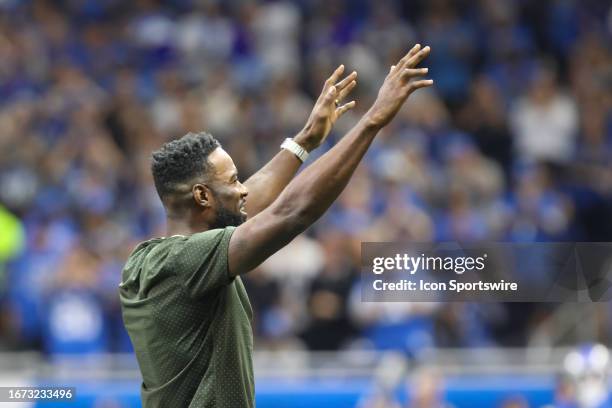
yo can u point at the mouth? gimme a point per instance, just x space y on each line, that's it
243 207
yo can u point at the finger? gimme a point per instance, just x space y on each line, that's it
330 95
418 57
409 55
342 94
345 108
414 72
420 84
334 77
342 84
392 68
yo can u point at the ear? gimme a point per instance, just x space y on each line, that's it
201 195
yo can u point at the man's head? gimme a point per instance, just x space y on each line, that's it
196 179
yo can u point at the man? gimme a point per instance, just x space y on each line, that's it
183 302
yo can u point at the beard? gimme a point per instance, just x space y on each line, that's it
227 218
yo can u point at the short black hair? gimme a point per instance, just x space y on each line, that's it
181 160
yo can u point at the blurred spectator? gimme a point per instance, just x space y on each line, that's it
75 319
426 390
586 367
328 324
545 120
405 327
484 117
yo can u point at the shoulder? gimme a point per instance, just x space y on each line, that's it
203 241
177 251
192 251
142 257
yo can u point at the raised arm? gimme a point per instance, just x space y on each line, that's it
265 185
311 193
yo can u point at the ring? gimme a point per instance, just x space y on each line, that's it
337 103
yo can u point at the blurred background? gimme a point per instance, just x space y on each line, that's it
514 144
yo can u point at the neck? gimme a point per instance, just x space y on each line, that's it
185 226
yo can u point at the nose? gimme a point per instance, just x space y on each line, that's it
244 191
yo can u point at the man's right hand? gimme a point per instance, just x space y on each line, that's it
398 85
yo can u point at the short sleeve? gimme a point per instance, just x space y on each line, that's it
202 261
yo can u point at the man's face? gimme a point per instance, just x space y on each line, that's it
228 194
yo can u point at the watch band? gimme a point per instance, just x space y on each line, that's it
290 145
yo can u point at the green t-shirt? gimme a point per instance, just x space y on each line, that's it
190 322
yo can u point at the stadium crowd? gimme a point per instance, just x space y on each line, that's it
514 144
